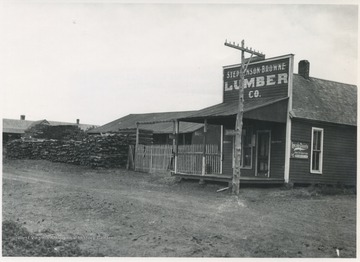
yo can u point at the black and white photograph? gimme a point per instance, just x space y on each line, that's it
185 129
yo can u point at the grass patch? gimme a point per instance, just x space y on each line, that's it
18 241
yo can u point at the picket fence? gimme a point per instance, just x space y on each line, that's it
160 158
153 158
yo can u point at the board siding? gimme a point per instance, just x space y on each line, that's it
339 154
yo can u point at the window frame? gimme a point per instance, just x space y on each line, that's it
321 155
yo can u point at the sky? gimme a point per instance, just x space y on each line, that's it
97 62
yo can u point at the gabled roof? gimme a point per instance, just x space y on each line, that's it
130 121
18 126
324 100
15 126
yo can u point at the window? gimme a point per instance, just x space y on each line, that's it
316 160
246 149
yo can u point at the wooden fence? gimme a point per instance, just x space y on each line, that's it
153 158
159 158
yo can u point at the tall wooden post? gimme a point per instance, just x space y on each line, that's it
238 128
239 116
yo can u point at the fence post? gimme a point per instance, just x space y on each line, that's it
136 144
151 159
130 160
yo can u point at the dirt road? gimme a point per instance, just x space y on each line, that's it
121 213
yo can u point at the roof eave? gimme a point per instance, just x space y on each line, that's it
293 116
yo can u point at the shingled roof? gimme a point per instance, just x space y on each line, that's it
324 100
313 99
130 121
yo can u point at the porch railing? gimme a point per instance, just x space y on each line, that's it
190 159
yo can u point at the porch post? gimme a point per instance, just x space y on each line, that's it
174 144
204 149
221 148
177 128
288 124
137 135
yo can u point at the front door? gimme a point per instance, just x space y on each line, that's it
263 153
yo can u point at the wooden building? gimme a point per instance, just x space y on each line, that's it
296 128
162 126
18 128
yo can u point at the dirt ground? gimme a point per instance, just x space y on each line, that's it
123 213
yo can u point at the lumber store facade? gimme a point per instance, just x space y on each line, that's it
296 128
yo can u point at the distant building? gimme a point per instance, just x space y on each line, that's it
16 128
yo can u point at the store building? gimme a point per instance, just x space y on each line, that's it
296 128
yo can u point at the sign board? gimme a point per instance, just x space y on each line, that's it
263 79
230 132
198 133
299 150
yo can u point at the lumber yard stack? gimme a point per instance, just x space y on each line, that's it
106 150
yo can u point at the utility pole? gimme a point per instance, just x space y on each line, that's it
239 116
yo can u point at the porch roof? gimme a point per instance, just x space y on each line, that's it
161 127
228 110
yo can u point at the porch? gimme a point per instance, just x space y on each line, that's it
212 156
228 178
263 146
